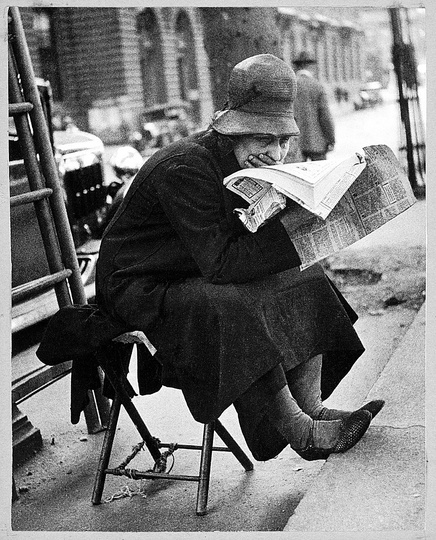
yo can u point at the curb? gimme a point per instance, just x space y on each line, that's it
379 485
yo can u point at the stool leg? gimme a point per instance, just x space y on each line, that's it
106 450
205 462
233 446
131 410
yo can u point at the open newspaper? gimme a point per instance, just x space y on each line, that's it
315 185
379 193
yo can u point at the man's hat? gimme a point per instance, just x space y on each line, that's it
261 95
303 59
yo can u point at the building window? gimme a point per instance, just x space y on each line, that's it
304 40
186 64
328 71
287 48
182 67
151 59
320 59
336 58
43 28
356 61
345 49
352 60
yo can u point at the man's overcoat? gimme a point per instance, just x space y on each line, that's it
312 114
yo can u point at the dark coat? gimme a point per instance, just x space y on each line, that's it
177 221
312 115
222 306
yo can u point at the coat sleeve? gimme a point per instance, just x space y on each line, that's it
191 194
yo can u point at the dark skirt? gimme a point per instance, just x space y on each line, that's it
215 341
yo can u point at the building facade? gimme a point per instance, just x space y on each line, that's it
335 39
109 65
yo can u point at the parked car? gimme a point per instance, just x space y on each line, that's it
79 157
161 125
369 95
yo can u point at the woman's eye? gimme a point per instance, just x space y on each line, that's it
264 141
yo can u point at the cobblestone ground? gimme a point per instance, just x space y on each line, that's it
382 279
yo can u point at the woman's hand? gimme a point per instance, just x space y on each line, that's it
260 160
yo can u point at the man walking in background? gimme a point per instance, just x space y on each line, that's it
312 113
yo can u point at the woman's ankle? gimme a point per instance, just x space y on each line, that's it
326 414
298 433
322 434
325 433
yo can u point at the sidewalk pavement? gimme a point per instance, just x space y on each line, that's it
376 486
382 485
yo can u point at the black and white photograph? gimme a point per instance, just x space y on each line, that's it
215 285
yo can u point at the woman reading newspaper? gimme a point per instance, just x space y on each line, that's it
233 319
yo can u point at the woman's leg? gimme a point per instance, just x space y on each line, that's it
271 418
315 439
297 427
305 384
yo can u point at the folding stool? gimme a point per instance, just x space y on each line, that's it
118 379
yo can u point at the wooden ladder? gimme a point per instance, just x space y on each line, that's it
45 193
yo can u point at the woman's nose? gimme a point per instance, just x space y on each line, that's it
275 151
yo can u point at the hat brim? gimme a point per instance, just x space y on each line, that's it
236 122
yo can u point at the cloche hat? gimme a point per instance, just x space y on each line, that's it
261 95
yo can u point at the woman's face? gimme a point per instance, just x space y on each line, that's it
260 149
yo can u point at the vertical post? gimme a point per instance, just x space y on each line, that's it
398 61
403 58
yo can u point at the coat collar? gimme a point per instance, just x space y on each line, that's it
224 154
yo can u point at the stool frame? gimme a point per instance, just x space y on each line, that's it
122 398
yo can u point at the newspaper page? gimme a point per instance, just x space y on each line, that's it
317 186
381 192
330 178
265 201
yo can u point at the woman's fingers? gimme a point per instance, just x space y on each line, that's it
259 161
267 160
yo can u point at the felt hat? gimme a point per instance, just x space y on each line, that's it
303 59
261 93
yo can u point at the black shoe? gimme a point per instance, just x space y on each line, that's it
352 430
374 407
310 453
